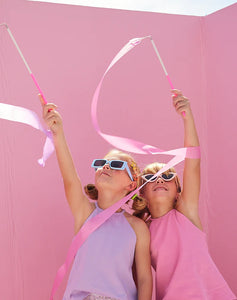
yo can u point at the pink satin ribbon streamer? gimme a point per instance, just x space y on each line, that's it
129 144
26 116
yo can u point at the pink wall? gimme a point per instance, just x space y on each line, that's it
220 42
68 48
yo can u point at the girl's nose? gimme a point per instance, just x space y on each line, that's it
106 166
160 179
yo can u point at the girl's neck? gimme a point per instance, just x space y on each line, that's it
108 198
159 210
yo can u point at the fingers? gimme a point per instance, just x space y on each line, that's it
50 115
53 121
180 102
47 107
176 92
181 108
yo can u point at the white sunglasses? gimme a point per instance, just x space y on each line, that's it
165 176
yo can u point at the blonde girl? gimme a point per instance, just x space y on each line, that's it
102 268
179 253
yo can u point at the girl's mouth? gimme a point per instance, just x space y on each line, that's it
160 188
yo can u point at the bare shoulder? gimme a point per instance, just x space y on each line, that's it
138 225
134 220
79 220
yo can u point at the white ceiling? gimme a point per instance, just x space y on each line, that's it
179 7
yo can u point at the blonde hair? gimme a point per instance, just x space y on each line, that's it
139 203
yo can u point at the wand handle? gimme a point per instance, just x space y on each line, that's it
163 67
24 60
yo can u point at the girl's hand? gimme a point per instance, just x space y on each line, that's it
181 103
51 117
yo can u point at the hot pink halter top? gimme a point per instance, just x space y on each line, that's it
103 264
180 257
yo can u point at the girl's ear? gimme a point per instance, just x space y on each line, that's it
141 192
178 196
132 186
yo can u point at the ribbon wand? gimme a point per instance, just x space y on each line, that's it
22 115
24 60
161 62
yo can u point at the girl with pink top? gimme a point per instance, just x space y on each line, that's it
183 267
102 267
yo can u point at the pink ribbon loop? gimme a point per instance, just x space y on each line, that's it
127 144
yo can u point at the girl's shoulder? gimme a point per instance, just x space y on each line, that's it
138 225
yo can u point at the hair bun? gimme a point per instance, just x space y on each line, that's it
91 191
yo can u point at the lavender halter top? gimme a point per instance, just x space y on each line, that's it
103 264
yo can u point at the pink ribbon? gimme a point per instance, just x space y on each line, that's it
129 144
26 116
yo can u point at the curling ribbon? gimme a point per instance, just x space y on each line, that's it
126 145
129 144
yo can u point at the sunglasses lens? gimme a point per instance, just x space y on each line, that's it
149 176
168 176
116 164
99 163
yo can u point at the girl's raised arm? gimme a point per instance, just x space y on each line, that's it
189 198
80 206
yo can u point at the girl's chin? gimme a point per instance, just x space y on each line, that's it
158 198
103 178
102 183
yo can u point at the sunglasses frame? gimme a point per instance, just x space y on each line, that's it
109 162
156 177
